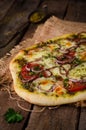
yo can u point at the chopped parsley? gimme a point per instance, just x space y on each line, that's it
28 86
11 116
48 56
21 61
66 82
77 61
37 68
31 73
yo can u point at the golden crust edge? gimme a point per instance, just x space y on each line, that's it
29 96
47 100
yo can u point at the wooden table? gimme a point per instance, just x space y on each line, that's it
13 26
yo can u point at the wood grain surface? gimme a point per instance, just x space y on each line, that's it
68 17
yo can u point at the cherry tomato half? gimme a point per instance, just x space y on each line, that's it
30 71
77 87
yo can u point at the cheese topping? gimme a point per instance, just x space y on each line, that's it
81 52
59 60
78 72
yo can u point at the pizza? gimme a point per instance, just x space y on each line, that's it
53 72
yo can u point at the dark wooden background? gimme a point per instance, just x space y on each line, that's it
13 26
14 17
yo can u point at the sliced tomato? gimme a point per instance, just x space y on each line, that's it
71 53
46 73
26 75
77 87
30 71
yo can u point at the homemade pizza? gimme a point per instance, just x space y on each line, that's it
53 72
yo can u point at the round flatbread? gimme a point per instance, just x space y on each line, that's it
52 72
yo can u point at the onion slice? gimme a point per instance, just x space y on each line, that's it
49 90
77 80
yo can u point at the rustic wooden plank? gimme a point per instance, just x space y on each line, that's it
76 11
15 19
49 119
55 7
12 43
62 118
18 15
51 7
66 117
5 5
82 121
5 103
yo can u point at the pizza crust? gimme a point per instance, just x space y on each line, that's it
45 100
41 98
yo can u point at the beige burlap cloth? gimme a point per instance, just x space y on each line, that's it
53 27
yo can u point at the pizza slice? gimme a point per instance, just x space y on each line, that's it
53 72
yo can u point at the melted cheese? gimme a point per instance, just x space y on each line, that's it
59 90
33 55
53 47
65 44
49 62
78 72
81 52
56 72
44 84
68 44
83 56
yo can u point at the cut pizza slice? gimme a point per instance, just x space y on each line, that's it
52 73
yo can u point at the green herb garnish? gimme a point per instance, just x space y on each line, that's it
21 61
66 84
77 61
11 116
31 73
37 68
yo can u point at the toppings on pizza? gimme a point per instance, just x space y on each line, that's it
78 73
46 73
63 58
45 84
66 58
74 87
51 70
81 52
31 71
